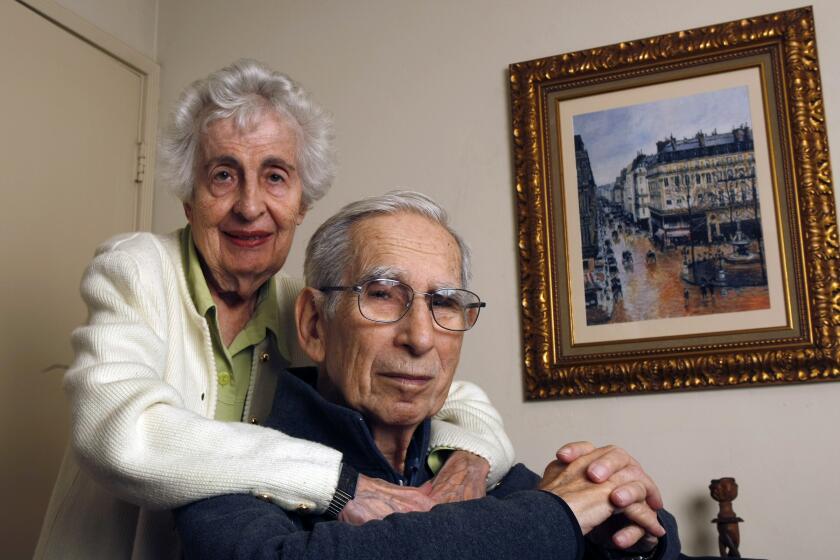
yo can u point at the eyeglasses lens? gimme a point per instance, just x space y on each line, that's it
384 300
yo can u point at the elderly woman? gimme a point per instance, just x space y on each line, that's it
166 388
383 317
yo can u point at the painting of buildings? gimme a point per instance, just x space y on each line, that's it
674 228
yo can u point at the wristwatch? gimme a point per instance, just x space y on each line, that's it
624 555
345 490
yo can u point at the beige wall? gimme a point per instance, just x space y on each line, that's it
58 82
134 22
420 96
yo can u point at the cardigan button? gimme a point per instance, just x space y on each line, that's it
264 357
264 497
253 420
302 508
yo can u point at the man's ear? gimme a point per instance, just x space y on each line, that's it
309 321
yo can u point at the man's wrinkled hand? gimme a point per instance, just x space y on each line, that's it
463 477
609 463
593 502
618 532
633 493
588 501
377 499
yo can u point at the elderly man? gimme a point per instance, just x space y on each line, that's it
383 317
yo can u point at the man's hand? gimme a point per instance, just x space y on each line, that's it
608 464
591 502
634 494
619 532
463 477
376 499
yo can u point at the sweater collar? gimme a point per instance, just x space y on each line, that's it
300 411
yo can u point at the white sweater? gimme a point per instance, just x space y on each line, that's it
143 395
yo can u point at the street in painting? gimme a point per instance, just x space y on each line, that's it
670 220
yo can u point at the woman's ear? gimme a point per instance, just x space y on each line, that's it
309 321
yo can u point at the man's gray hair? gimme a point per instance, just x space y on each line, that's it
244 90
330 249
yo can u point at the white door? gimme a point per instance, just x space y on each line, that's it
71 115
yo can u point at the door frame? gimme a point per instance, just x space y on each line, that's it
149 73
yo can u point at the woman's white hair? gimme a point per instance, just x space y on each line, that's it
244 91
330 249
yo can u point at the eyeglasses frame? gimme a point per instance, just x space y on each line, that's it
358 289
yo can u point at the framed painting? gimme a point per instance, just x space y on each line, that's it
676 218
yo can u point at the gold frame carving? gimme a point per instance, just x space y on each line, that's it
808 350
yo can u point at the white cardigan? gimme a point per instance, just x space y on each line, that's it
143 395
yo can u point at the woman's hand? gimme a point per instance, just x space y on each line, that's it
377 499
463 477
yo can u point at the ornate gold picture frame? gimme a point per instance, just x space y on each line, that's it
676 217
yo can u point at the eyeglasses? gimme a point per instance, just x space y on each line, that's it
387 301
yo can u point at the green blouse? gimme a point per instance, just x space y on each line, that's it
233 363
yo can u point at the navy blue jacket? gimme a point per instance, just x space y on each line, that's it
514 521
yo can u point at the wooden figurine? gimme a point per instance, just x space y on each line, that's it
724 490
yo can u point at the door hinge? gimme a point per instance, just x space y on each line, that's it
140 173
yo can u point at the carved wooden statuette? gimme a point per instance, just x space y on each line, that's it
724 490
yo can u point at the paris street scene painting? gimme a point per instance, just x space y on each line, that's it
670 221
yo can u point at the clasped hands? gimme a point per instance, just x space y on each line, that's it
611 496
